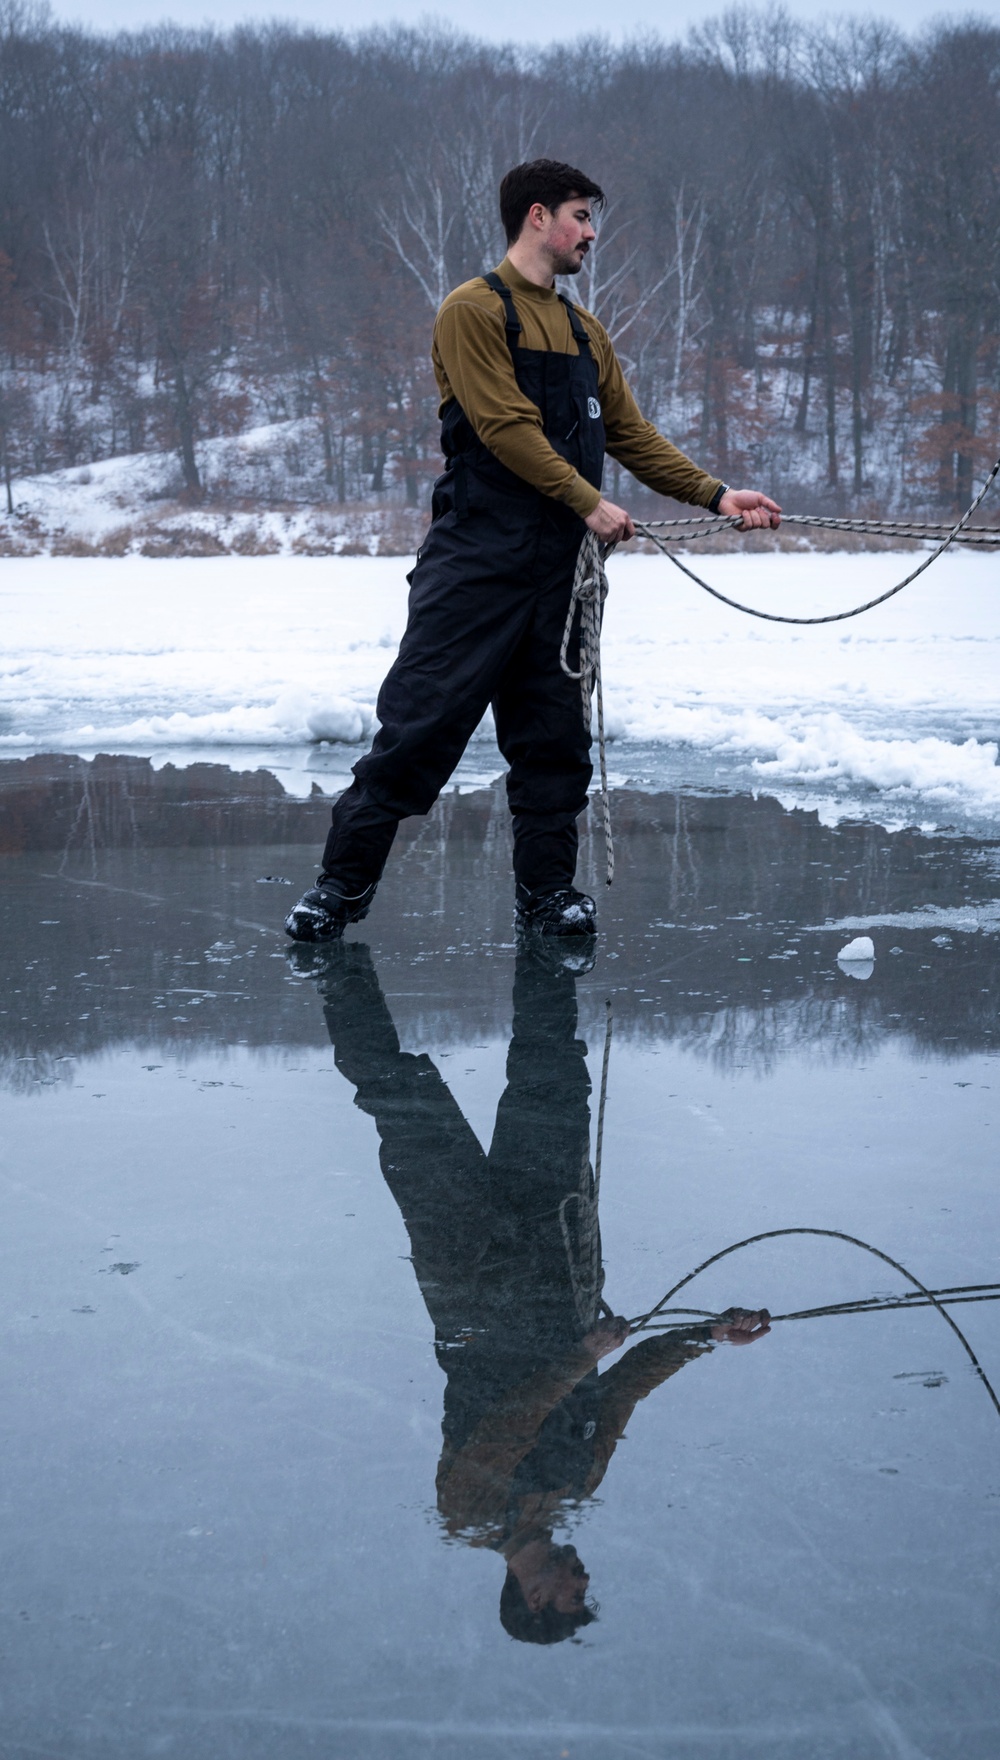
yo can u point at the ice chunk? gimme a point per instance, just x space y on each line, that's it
337 718
857 959
861 948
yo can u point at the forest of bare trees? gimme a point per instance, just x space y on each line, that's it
203 233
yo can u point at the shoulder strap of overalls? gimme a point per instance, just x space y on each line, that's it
580 336
512 323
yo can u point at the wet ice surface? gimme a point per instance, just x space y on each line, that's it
223 1403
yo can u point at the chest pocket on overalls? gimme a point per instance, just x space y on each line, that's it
562 411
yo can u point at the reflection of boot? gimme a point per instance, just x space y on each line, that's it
574 954
309 959
364 1039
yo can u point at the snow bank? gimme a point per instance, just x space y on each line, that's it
293 720
893 715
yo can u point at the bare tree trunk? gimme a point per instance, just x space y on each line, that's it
967 413
830 363
802 413
185 428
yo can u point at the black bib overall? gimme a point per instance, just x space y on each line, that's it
488 602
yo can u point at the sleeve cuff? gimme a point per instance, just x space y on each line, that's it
582 497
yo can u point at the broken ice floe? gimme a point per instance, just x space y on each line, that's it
862 947
857 959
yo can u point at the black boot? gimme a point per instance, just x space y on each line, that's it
323 913
563 911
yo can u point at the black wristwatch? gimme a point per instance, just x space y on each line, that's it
723 489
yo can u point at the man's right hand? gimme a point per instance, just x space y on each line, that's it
610 523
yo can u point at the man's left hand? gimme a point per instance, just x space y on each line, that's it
756 509
608 1335
742 1325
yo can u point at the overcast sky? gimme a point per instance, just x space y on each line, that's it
523 21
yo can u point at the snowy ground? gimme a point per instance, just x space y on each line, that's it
260 659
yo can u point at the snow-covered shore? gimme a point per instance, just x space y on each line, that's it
893 714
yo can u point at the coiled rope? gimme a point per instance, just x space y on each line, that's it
933 1298
590 589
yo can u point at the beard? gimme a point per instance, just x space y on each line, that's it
569 264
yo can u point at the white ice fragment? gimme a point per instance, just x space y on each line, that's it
861 948
337 719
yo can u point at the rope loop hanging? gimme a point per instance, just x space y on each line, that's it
650 529
590 589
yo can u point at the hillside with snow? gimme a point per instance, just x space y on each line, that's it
262 497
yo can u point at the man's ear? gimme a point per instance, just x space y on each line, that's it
535 1598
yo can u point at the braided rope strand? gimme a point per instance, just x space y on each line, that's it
686 531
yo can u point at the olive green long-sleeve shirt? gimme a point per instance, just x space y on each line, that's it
474 1482
472 363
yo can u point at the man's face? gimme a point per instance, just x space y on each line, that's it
562 1582
569 234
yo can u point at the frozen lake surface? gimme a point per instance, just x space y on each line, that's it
272 1221
892 716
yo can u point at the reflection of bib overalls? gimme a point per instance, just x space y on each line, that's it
505 1244
488 603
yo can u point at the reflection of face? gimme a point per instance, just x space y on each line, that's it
569 235
561 1583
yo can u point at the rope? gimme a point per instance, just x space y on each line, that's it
649 530
709 525
590 589
931 1297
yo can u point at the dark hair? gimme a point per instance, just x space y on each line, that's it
548 181
547 1626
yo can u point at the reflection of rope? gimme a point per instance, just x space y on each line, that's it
587 1278
609 1023
931 1297
959 1292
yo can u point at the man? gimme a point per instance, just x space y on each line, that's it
532 395
506 1248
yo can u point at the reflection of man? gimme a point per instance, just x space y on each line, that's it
506 1249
